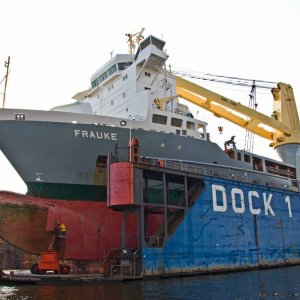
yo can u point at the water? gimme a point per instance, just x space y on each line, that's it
281 283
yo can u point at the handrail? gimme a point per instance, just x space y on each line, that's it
121 262
229 174
121 268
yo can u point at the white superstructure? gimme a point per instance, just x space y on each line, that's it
138 87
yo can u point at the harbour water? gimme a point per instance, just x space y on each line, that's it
279 283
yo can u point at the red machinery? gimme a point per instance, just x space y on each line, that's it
49 262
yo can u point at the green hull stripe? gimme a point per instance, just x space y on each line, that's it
95 193
67 191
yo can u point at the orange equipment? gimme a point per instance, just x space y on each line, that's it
49 262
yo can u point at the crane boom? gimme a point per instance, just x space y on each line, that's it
284 123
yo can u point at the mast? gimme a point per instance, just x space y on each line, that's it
138 37
6 65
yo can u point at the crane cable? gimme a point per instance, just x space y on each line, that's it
227 79
254 84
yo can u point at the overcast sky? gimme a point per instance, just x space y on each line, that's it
55 46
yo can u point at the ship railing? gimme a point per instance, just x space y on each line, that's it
229 174
206 171
121 270
110 258
121 262
185 167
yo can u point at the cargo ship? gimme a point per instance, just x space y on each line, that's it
133 174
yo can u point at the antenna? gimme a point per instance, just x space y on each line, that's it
6 65
138 37
111 53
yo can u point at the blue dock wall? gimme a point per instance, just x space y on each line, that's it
231 226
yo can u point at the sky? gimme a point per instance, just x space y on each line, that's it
55 46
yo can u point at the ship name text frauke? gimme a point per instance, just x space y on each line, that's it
101 135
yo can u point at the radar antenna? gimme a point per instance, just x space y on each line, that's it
138 37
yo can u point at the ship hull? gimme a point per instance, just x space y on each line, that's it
62 155
29 222
58 159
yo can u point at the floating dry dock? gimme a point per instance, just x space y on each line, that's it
209 218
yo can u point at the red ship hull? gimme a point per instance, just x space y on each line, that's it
92 228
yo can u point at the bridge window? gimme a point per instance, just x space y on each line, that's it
124 65
103 77
257 164
280 169
159 119
190 125
112 70
151 40
230 153
247 158
200 128
95 82
176 122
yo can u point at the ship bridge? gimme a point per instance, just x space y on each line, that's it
112 68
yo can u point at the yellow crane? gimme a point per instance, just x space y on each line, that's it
160 103
284 122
